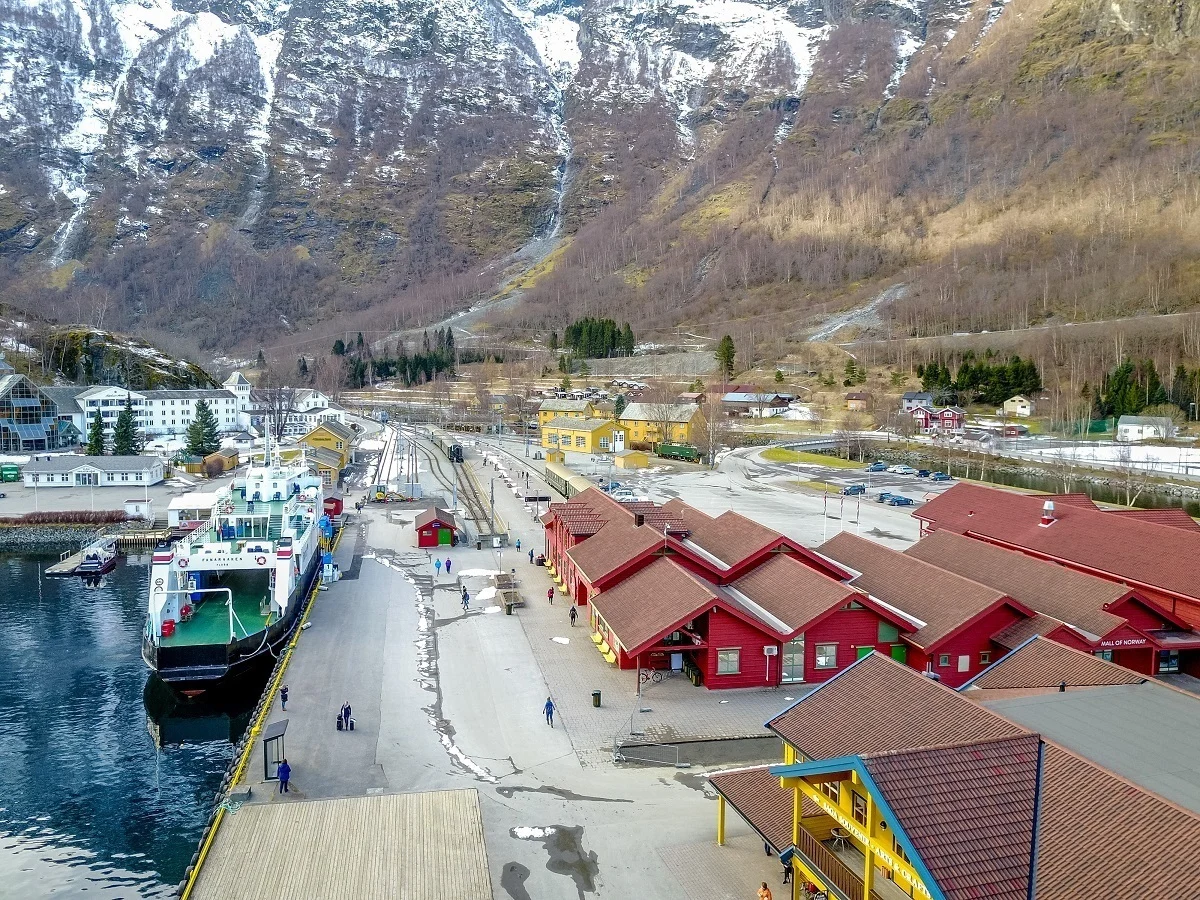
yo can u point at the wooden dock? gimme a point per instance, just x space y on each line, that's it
66 565
402 846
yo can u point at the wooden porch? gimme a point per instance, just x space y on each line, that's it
839 865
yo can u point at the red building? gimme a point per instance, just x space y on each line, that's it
955 621
435 528
1081 611
729 601
1153 552
946 419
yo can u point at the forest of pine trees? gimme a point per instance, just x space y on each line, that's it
597 338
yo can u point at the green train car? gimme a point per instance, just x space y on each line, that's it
10 472
682 452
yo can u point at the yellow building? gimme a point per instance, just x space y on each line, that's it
331 436
632 459
556 409
325 463
583 435
652 423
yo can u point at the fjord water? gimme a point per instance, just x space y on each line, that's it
88 802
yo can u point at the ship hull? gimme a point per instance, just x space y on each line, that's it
193 670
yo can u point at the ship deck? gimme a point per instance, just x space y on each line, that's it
209 623
268 513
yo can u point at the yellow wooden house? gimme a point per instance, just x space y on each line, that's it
555 408
331 436
583 435
652 423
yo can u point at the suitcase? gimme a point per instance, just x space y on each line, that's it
339 723
351 724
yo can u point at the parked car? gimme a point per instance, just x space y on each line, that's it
624 494
884 496
902 470
923 473
877 467
940 476
851 489
898 500
895 470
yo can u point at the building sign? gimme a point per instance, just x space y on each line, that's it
884 856
1125 642
206 562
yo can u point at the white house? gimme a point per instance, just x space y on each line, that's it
159 413
1131 429
92 471
195 506
308 409
1019 406
913 399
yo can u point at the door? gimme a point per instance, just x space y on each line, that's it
793 660
900 653
618 441
860 652
443 536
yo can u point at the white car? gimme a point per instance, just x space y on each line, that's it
623 494
902 470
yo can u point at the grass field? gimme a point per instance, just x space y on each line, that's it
782 455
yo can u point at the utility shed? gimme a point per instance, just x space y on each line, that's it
435 528
422 845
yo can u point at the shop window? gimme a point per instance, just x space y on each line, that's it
1168 661
826 656
943 660
1105 655
887 633
985 657
832 790
729 662
858 805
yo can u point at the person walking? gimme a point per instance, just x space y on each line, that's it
764 892
437 564
531 557
447 565
285 775
466 600
283 695
574 614
548 711
787 871
346 715
550 596
518 545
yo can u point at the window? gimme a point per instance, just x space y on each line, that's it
943 660
964 663
603 443
898 850
826 656
1168 661
580 440
1105 655
887 633
729 662
985 657
858 805
793 660
832 790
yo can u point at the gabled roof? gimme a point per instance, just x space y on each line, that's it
1061 593
563 405
1156 421
330 459
730 537
659 412
337 429
1042 663
1039 625
69 462
878 705
756 795
943 601
65 398
572 423
434 514
615 544
969 811
650 602
1123 548
1174 516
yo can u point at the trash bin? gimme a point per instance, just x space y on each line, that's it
596 699
508 609
479 545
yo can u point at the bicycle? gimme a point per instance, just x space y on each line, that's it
654 675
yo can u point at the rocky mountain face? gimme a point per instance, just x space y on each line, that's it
245 167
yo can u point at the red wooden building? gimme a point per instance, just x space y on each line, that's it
946 419
435 528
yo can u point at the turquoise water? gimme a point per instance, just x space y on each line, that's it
88 800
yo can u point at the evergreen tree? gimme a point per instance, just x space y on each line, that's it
359 342
262 360
202 437
126 440
302 367
95 439
339 347
619 406
779 376
554 340
627 341
726 357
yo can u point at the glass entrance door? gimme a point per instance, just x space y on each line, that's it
793 660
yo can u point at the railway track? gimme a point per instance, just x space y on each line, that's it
475 506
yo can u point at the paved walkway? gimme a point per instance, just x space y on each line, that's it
733 872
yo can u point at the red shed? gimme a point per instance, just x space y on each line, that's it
333 506
435 528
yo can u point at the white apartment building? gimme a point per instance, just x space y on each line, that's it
164 413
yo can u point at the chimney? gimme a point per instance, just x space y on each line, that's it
639 519
1047 514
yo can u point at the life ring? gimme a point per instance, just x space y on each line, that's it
183 563
261 560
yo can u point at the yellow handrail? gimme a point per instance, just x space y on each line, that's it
255 730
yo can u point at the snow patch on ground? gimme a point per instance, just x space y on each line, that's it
906 46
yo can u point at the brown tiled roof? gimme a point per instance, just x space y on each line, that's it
756 795
729 537
1043 663
1023 629
434 514
1103 837
969 811
1076 499
942 600
1061 593
877 705
1123 547
612 546
793 592
588 511
650 601
1173 516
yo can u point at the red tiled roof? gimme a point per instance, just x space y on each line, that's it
1074 500
1061 593
756 795
795 593
1023 629
1043 663
942 600
877 705
1126 548
1173 516
611 547
729 537
969 811
650 601
1101 836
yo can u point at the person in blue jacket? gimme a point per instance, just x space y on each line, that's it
548 710
285 775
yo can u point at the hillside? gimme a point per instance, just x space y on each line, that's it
238 174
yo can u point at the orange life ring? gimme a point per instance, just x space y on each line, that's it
261 560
